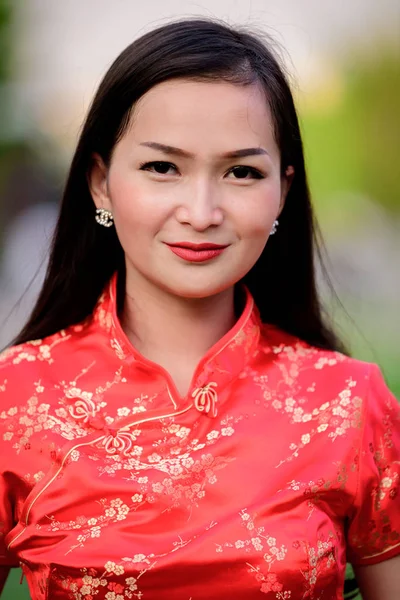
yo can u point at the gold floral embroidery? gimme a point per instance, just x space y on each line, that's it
182 479
91 527
34 350
320 561
314 492
116 346
269 583
258 540
335 416
92 584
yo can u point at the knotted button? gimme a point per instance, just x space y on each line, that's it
205 399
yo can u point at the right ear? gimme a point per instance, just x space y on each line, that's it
98 184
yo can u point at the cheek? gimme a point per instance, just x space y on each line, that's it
134 208
256 217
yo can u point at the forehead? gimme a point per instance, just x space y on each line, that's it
185 112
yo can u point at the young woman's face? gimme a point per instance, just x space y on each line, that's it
197 165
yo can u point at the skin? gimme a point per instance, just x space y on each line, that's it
380 581
174 308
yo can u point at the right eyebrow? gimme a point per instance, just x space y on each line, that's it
168 149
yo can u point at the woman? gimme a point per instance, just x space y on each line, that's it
163 437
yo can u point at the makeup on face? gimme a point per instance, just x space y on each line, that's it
196 252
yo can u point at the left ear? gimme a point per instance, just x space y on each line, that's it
286 182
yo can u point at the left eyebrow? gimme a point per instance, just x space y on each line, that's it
245 152
183 153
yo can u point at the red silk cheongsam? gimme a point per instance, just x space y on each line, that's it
280 464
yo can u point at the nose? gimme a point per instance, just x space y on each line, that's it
200 207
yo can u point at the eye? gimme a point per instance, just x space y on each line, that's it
160 167
243 172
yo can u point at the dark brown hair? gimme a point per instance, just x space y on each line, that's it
85 255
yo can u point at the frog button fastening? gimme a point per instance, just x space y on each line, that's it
205 399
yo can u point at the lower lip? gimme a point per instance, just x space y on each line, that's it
196 255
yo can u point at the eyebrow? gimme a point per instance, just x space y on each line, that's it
184 154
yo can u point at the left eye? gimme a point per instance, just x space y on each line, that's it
243 172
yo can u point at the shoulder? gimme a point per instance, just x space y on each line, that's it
322 363
21 367
320 374
30 365
16 359
338 396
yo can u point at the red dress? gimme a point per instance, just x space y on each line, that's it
281 463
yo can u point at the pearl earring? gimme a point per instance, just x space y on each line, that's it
104 217
274 227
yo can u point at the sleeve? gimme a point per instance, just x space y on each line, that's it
373 534
7 487
6 522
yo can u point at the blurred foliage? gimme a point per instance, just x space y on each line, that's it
5 39
352 141
351 127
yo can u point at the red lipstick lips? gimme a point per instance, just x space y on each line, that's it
196 252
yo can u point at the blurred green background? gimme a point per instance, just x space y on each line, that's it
349 108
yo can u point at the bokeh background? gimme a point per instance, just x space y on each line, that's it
343 58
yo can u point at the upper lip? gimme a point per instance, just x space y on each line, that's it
203 246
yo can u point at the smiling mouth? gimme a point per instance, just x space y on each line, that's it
197 252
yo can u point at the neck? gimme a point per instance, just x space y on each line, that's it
172 331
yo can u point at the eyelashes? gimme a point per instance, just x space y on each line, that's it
240 172
158 166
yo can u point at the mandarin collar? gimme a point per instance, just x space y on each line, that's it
221 364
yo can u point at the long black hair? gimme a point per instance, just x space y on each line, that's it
84 255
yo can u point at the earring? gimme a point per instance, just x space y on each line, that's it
274 227
104 217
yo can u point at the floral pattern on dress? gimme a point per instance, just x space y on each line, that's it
111 584
320 561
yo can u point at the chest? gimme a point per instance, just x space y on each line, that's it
251 496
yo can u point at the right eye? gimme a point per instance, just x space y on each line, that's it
160 167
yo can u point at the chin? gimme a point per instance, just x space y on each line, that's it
198 291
